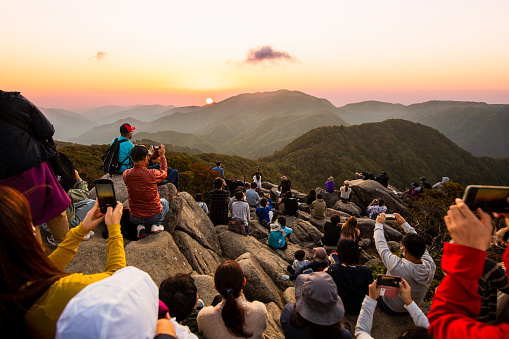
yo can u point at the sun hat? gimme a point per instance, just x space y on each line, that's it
319 254
317 299
331 179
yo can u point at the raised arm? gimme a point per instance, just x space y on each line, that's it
389 259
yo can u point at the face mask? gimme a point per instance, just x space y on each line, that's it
401 250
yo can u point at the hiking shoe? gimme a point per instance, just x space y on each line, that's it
156 228
52 241
87 237
142 233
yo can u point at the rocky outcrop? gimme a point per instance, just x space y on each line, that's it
288 254
195 222
234 245
304 233
202 260
318 223
90 258
118 186
205 286
170 193
273 330
330 198
364 191
348 207
259 286
367 227
289 295
158 255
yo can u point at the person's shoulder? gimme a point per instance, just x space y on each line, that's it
206 312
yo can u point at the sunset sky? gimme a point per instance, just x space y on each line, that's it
77 54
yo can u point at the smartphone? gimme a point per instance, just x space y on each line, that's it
105 194
390 217
390 285
488 198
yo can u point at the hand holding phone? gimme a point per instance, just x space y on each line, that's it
93 218
487 198
389 285
105 194
113 216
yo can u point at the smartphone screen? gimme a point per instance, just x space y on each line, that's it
389 284
488 198
105 194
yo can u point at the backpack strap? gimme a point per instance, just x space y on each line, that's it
128 158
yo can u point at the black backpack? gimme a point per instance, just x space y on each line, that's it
63 169
111 163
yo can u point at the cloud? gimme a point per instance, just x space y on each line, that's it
263 53
99 56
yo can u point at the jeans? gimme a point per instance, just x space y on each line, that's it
173 177
155 220
81 209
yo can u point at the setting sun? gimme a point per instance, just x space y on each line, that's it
209 101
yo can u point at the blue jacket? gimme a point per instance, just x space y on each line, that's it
220 170
124 153
263 212
276 239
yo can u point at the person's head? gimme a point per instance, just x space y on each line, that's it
199 197
349 229
415 184
413 244
384 173
246 186
239 195
229 279
335 219
416 333
126 130
263 202
218 183
348 252
319 196
346 184
312 193
281 221
289 195
381 202
331 179
180 295
22 258
319 254
218 164
139 154
254 185
423 179
300 255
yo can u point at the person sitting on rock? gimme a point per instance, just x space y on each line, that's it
240 210
179 293
285 185
146 208
318 264
329 185
415 191
252 196
376 207
311 197
264 212
219 199
234 316
424 183
219 169
317 311
257 178
417 267
278 234
234 199
291 205
365 320
438 185
332 231
172 174
125 146
201 203
346 192
349 230
299 263
80 204
318 207
281 204
352 279
383 179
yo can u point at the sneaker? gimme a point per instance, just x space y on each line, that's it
142 233
87 237
52 241
200 305
157 229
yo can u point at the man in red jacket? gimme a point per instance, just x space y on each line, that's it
457 303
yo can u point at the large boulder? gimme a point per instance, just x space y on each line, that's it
195 222
344 216
170 193
364 191
234 245
318 223
203 260
259 286
288 254
118 186
348 207
274 329
367 227
304 233
205 286
289 295
330 198
158 255
90 258
258 230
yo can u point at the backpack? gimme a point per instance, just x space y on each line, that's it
237 226
111 163
63 169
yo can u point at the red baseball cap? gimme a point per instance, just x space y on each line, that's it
126 128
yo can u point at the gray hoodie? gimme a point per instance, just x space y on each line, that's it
419 276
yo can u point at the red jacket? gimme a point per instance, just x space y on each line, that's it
457 303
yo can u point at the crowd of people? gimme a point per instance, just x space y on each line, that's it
38 299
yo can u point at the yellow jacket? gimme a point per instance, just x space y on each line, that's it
42 317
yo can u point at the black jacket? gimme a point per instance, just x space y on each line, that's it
20 149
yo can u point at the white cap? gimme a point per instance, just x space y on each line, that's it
124 305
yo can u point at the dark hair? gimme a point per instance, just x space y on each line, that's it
381 202
246 184
218 163
229 279
317 331
218 183
348 252
254 185
239 195
335 219
312 194
179 293
349 229
414 244
299 254
263 202
138 153
281 221
319 196
289 194
416 333
199 197
22 260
